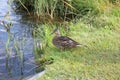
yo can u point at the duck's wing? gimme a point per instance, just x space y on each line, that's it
67 42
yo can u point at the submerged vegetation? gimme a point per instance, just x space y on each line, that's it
91 22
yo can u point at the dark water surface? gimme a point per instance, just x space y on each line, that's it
17 62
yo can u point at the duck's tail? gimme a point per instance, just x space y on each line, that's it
81 45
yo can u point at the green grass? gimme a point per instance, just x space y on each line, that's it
99 61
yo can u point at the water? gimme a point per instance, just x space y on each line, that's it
16 48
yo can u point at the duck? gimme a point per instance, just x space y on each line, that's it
63 42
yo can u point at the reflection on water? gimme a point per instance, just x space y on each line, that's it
16 47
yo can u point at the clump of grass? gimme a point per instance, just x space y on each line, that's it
42 39
63 9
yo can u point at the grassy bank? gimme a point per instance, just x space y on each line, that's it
99 61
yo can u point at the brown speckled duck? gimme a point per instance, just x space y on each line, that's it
63 42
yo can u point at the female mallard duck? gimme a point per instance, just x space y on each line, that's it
63 42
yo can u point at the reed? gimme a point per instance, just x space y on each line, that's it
63 9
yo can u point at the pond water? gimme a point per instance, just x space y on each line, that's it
16 48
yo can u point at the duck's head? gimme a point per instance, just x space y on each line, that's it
56 32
